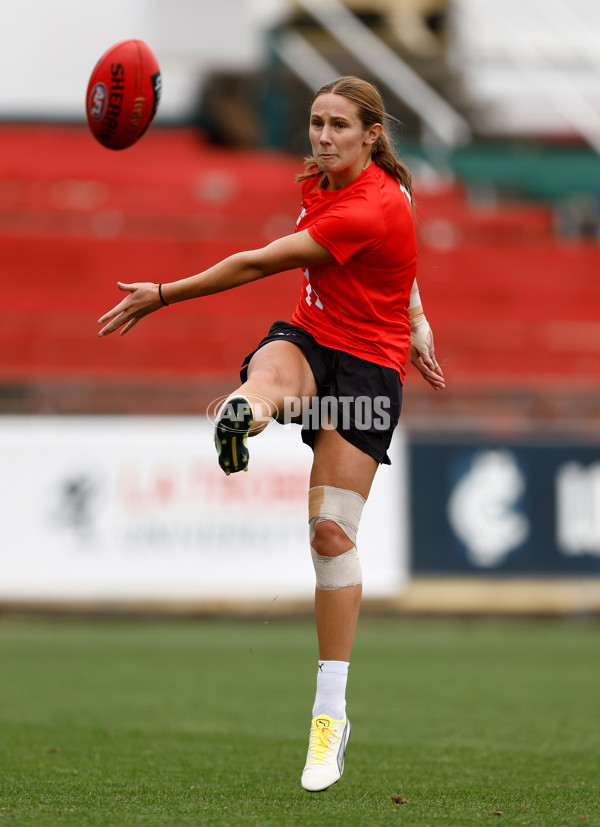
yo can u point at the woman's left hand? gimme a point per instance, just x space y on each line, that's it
141 299
422 355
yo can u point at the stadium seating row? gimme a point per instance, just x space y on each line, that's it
511 304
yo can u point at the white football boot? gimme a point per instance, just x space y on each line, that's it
326 749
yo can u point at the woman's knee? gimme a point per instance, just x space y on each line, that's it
330 540
266 374
281 367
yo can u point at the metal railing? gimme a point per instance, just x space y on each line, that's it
439 118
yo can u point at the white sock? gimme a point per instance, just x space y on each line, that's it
332 676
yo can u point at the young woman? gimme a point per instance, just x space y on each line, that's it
347 343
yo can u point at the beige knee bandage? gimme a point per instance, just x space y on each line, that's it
343 507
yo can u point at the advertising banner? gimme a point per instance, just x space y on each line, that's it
521 507
136 508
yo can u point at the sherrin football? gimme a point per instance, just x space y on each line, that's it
123 94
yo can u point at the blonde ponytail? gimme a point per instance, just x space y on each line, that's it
383 156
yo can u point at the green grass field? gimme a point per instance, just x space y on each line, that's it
206 722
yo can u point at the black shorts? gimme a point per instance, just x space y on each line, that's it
360 399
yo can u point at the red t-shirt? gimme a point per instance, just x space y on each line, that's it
359 303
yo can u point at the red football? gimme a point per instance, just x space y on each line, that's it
123 94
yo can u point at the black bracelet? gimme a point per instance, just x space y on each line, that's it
166 304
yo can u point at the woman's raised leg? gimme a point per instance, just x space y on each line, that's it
278 376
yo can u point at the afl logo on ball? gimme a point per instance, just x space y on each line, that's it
97 101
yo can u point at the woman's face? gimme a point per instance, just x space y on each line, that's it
340 143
